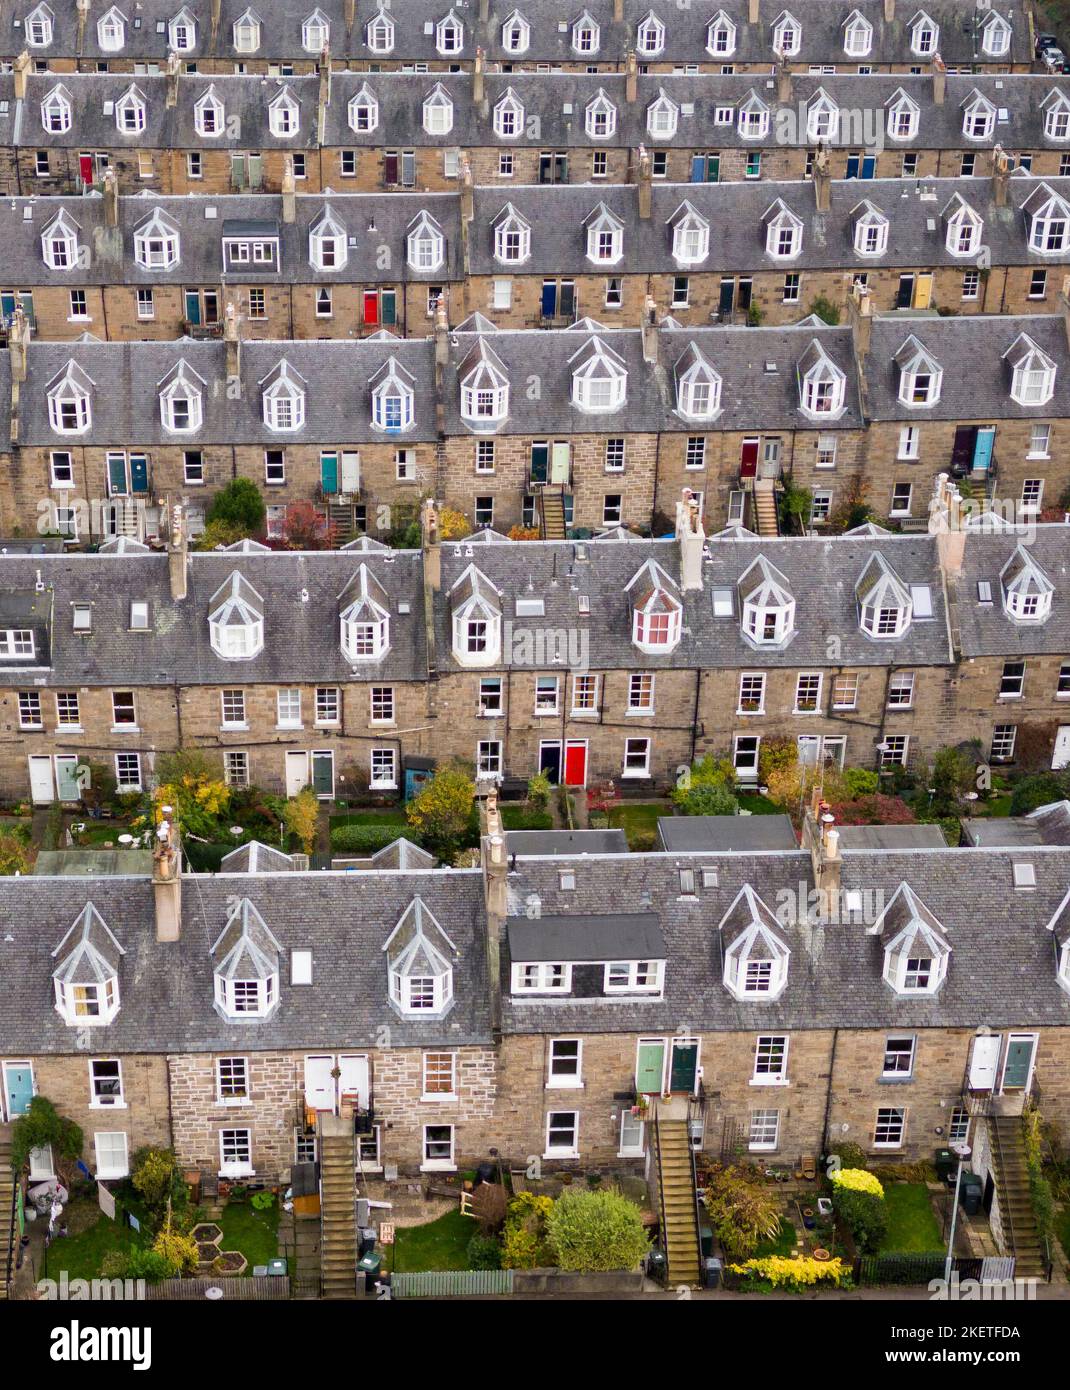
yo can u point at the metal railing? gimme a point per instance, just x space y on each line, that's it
663 1226
9 1272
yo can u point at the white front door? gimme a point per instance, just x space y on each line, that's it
350 471
1061 757
296 773
41 784
354 1080
319 1083
984 1062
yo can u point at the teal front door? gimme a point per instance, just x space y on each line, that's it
683 1071
18 1087
982 448
1019 1062
329 473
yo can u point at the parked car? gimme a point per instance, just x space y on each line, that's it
1046 41
1053 59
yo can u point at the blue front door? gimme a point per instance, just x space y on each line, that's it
982 449
18 1083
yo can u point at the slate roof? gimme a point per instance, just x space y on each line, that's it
565 842
688 834
256 858
593 937
985 629
1047 825
899 837
166 990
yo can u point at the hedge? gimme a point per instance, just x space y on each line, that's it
366 839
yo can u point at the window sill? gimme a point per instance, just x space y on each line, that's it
768 1081
642 714
234 728
125 729
564 1085
438 1166
73 729
382 786
561 1153
237 1172
636 775
584 714
289 728
31 728
893 1080
113 1105
104 1175
546 714
329 723
237 1103
450 1098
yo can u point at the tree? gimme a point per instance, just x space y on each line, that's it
596 1230
239 504
219 533
305 528
43 1126
824 308
707 790
155 1175
953 775
453 525
524 1243
442 810
189 782
14 858
301 817
743 1210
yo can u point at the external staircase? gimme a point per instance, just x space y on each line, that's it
342 519
765 509
1020 1234
338 1210
8 1235
675 1176
552 515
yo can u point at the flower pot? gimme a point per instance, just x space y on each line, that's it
820 1253
808 1218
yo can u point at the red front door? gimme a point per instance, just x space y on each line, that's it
85 168
748 458
371 309
576 765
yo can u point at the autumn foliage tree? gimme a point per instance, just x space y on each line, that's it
442 811
301 816
306 528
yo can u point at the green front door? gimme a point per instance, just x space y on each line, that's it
1016 1067
684 1068
649 1068
323 773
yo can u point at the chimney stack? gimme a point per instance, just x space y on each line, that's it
618 11
860 318
939 72
167 882
18 338
783 80
484 11
349 14
468 205
83 14
822 181
232 340
823 842
478 68
430 540
650 330
289 190
496 900
111 198
171 99
946 524
645 176
1064 306
217 12
753 17
177 553
889 11
20 67
1001 176
692 540
631 78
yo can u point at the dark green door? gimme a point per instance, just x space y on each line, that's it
1016 1067
323 773
684 1068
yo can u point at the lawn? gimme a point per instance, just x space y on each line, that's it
392 815
757 805
99 833
254 1233
441 1244
517 816
638 818
81 1255
783 1244
911 1223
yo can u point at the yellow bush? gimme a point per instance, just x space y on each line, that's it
178 1250
453 525
794 1274
858 1180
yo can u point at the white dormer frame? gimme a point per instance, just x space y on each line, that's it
315 32
111 31
182 401
209 114
662 117
484 394
1049 225
978 117
698 390
284 115
924 36
1028 594
857 35
39 27
508 116
156 243
887 609
182 31
599 383
516 34
823 388
787 36
246 32
379 32
721 35
783 232
767 609
586 36
449 35
904 116
924 971
131 112
59 242
242 640
995 35
56 110
393 401
753 120
657 612
477 624
420 973
605 237
363 110
1032 373
1056 107
964 228
822 119
512 237
438 111
921 377
749 976
284 401
364 624
649 36
86 983
425 245
690 236
70 409
600 117
871 231
328 242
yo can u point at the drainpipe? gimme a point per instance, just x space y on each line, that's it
828 1091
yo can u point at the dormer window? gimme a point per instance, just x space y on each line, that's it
315 33
419 958
657 613
698 386
512 237
720 36
508 115
328 247
605 236
69 410
599 378
1032 372
903 115
783 231
1048 218
920 375
182 400
690 235
245 958
857 36
963 237
425 244
766 604
753 118
39 27
111 31
600 118
1056 115
283 395
130 112
59 242
822 119
86 977
924 35
823 386
438 112
449 35
787 36
516 34
380 33
364 618
392 397
1027 590
284 115
650 36
995 36
56 111
484 387
156 245
916 947
585 36
209 114
871 230
236 620
662 117
182 32
363 110
755 952
247 32
476 611
886 606
978 117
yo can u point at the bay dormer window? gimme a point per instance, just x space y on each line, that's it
1027 590
182 400
649 36
885 605
156 242
662 117
283 397
1056 108
586 36
246 32
69 401
1032 372
787 36
605 236
767 606
916 947
512 237
823 386
599 378
903 116
753 118
756 954
245 963
1048 219
921 376
365 618
508 115
978 117
690 235
111 31
363 111
182 32
56 111
438 112
131 112
59 242
393 397
379 33
783 232
86 977
419 961
924 36
657 612
871 230
857 36
425 244
328 244
449 35
236 620
39 27
822 119
484 387
600 117
476 616
315 33
720 36
698 386
516 34
284 115
209 114
995 36
963 228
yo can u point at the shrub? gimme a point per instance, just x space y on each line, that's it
452 524
262 1201
539 791
953 775
874 810
524 1244
301 817
180 1251
791 1274
1031 792
441 812
43 1125
850 1155
490 1202
155 1174
743 1211
484 1252
707 789
824 308
239 504
858 1200
366 839
596 1230
138 1263
14 858
857 1180
189 782
860 781
643 841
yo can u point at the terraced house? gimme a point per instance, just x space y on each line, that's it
224 36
